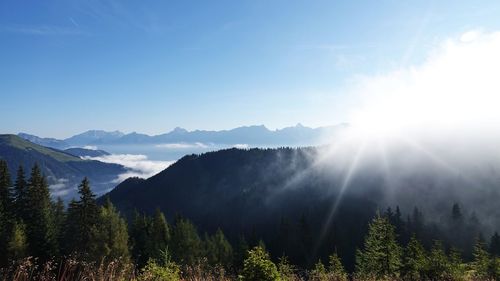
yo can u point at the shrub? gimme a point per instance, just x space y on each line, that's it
259 267
169 271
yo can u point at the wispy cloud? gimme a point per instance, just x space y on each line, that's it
137 165
60 187
72 20
42 30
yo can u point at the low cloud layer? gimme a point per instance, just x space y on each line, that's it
200 145
183 145
90 147
241 145
60 187
137 165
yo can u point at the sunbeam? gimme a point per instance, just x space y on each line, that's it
345 184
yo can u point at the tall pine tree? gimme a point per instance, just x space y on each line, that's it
160 235
5 191
40 228
218 251
6 215
140 233
186 244
113 232
414 260
21 203
438 266
381 256
482 262
82 233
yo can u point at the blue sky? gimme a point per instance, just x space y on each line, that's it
148 66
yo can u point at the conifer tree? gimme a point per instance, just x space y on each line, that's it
336 270
438 265
381 256
88 220
456 213
160 234
5 210
319 272
218 251
59 216
395 218
457 268
389 214
481 263
82 234
71 229
417 223
414 260
399 227
186 244
40 229
140 233
495 268
21 194
113 233
5 191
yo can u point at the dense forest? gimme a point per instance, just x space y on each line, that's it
43 240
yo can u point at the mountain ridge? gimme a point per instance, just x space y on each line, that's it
252 135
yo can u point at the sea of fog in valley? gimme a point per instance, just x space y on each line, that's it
166 152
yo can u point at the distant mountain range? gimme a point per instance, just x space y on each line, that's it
250 135
48 142
64 169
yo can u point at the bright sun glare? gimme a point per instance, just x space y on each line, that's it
456 86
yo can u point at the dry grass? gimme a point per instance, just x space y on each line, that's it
68 270
72 270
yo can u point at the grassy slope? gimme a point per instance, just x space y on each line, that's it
19 143
58 165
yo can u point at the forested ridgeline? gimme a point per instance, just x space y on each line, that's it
44 240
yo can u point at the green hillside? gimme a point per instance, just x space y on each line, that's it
62 169
22 144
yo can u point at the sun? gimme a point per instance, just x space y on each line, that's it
454 88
